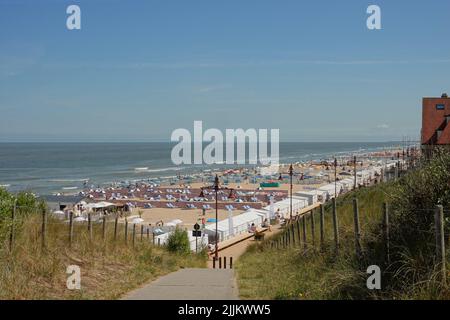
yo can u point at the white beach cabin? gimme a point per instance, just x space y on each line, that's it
311 195
240 224
282 207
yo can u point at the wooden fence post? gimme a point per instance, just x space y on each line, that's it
70 228
322 226
305 244
142 232
335 226
104 227
116 222
386 231
134 234
313 228
12 235
440 241
299 237
44 228
292 234
90 226
148 234
357 227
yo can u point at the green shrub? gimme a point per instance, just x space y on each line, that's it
179 242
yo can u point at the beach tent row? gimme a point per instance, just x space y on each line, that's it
326 192
283 207
236 225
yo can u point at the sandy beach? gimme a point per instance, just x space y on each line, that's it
245 183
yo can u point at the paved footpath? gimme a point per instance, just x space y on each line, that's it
192 284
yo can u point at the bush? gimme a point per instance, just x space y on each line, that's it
179 242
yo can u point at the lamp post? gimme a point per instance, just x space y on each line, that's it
291 173
216 188
354 169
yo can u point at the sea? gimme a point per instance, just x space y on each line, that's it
67 168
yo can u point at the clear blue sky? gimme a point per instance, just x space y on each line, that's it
139 69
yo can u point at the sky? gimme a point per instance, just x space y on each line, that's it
137 70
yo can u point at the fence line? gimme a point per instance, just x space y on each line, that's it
296 233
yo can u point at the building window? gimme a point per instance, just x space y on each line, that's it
440 107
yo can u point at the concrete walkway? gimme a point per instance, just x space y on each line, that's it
192 284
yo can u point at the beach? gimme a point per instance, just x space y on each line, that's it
188 199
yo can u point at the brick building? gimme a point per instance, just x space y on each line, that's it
435 122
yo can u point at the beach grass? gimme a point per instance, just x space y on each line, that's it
265 272
108 268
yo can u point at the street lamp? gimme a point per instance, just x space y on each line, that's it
216 188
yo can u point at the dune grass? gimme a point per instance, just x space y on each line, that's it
265 272
108 268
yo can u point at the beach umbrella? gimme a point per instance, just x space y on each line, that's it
137 220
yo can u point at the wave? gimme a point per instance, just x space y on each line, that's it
70 188
147 170
68 180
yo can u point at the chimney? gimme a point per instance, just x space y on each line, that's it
444 95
